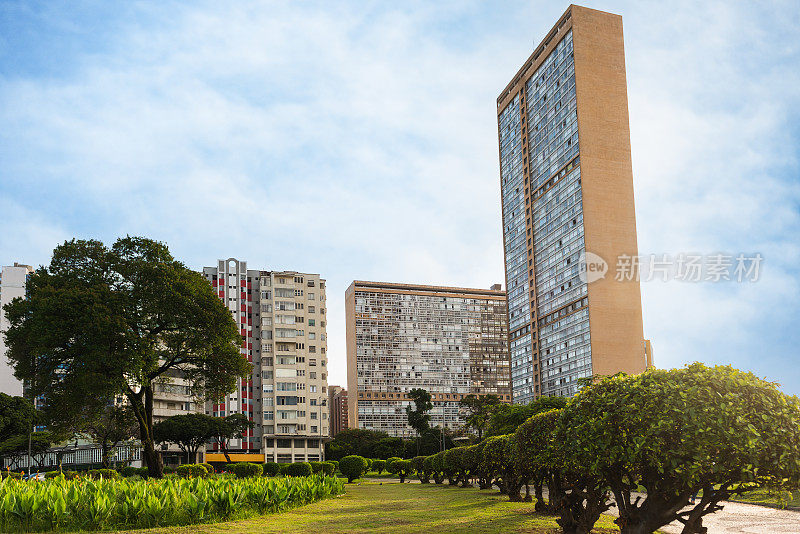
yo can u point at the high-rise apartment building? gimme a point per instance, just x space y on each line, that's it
281 316
337 402
567 193
449 341
12 285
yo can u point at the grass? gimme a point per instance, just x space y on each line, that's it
390 507
771 498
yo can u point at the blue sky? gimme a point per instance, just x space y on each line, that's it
359 140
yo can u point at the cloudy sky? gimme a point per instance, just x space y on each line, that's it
359 140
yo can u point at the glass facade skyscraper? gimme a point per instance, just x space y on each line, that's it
568 103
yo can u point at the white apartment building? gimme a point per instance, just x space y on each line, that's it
282 318
12 285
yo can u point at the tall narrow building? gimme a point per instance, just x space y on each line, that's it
12 285
450 341
282 318
567 194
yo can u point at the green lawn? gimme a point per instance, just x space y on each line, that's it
390 507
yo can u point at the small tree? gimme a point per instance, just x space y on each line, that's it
418 417
478 410
402 468
189 432
423 473
232 427
676 432
378 466
108 428
353 467
498 463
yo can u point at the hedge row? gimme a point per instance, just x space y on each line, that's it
674 432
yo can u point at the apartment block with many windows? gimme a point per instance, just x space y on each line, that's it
449 341
567 194
337 403
281 316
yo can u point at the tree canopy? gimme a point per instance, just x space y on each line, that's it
17 416
479 409
418 417
506 418
108 428
100 321
676 432
189 432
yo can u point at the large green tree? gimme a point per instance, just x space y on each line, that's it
189 432
102 321
478 409
677 432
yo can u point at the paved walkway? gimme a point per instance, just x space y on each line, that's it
748 519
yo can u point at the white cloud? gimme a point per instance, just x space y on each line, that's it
360 142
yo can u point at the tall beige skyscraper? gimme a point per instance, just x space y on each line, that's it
282 317
567 194
12 285
450 341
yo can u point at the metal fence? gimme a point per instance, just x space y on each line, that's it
71 457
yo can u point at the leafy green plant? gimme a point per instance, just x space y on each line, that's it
353 467
378 466
247 469
271 469
121 504
299 469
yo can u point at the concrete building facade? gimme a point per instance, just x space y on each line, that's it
337 404
12 285
282 318
449 341
567 194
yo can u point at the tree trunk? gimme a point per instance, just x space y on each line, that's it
539 493
144 416
106 460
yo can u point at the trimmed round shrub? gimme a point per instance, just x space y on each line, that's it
390 463
316 467
378 466
418 465
437 467
402 468
328 468
335 464
246 469
299 469
353 467
369 463
192 471
209 468
169 470
129 471
272 469
107 474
